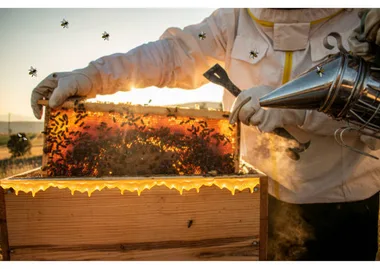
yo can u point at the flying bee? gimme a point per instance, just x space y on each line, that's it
105 35
202 35
253 54
65 23
320 71
33 71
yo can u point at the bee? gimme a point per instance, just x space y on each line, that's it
33 71
106 36
320 71
202 35
253 54
65 23
212 173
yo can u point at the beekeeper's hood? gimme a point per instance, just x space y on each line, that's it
292 27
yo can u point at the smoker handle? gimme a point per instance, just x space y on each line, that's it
218 75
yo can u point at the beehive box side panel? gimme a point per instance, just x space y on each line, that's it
235 249
263 219
55 218
4 242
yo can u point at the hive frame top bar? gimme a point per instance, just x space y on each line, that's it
141 109
118 178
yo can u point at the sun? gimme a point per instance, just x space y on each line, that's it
163 96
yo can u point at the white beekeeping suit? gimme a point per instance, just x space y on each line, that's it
285 43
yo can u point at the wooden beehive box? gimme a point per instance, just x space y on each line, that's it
178 206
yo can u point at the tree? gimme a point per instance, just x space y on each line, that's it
19 145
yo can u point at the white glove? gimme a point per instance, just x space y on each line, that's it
247 108
371 142
367 33
58 87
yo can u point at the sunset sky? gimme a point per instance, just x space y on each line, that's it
34 37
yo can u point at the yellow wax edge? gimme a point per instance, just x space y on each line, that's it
89 186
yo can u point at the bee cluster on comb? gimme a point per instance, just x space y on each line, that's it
99 139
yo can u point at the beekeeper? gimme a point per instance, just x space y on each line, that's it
323 206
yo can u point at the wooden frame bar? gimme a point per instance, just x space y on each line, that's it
139 109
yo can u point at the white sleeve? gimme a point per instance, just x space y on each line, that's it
178 59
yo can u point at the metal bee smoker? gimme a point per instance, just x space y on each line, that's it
343 86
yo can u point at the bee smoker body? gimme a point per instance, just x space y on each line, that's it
345 87
348 89
354 96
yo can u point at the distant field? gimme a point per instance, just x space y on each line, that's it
3 139
22 126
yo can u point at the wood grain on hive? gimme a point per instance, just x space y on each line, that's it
159 224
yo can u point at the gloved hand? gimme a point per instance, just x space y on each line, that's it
371 142
367 34
247 108
57 87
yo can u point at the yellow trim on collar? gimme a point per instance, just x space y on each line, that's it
271 24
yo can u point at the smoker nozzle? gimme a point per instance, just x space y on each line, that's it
308 91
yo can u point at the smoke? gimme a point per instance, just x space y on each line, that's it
288 232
